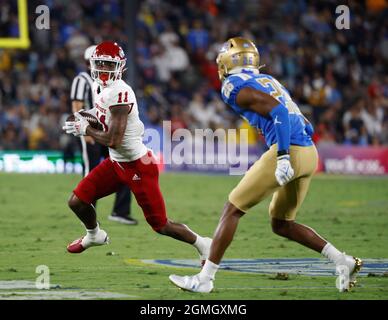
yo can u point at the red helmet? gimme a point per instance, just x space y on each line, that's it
107 63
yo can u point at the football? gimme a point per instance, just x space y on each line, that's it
93 121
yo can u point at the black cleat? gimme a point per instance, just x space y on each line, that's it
123 220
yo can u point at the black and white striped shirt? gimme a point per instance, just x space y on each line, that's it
81 90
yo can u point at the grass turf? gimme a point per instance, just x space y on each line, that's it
36 225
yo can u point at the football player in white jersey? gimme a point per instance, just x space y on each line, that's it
129 162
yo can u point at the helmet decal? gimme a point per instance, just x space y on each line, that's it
237 53
225 47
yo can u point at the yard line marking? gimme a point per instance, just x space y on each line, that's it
14 290
296 266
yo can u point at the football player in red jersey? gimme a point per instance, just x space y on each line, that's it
129 161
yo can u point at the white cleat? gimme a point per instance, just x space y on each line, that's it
83 243
206 251
354 266
99 239
192 283
356 269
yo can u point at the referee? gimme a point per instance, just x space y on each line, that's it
92 152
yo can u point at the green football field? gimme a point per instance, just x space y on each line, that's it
36 225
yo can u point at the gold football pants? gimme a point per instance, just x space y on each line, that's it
259 182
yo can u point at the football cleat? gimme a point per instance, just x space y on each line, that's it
192 283
206 252
76 246
123 219
356 269
354 265
81 244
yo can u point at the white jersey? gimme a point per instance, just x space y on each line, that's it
116 95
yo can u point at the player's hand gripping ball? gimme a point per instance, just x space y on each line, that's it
77 123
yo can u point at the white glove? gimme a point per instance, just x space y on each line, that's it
284 171
70 128
78 127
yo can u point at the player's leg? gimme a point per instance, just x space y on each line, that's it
84 211
284 205
100 182
286 202
91 157
225 231
283 208
94 185
258 183
142 177
182 232
122 206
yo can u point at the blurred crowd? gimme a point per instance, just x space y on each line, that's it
338 77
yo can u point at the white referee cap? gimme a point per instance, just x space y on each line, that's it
88 52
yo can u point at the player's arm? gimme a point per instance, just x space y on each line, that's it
118 123
268 106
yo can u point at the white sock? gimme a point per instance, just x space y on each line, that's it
91 233
208 271
200 243
331 252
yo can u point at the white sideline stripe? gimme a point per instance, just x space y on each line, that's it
55 294
87 295
359 287
9 290
20 284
